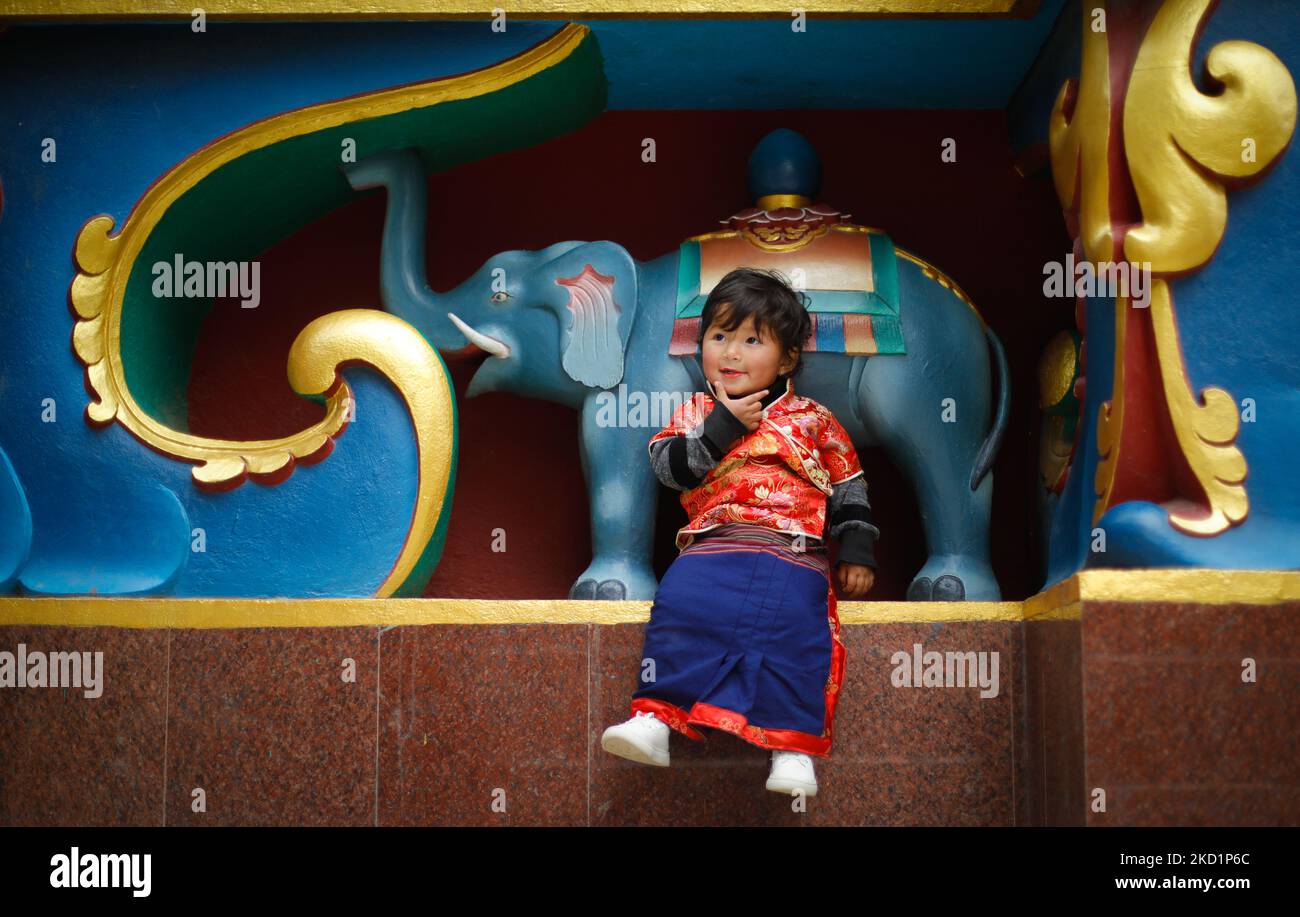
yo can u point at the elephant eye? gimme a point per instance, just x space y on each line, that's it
500 296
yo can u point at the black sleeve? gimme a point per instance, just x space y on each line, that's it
858 546
851 524
720 431
682 462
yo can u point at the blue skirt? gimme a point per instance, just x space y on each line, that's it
743 637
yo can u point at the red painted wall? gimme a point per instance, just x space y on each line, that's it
975 219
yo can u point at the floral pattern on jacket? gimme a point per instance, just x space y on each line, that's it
778 475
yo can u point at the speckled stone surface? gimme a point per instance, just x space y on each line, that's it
1051 751
484 725
922 756
66 759
717 782
906 756
263 721
1174 735
501 725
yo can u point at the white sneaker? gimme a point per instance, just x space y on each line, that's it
643 739
792 771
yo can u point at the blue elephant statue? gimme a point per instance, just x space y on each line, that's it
579 323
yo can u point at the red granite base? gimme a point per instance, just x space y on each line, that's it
476 724
1138 715
472 725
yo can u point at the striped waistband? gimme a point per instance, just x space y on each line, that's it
740 537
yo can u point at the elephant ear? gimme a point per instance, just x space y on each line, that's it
595 299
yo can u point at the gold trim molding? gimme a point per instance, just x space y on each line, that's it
939 277
233 613
105 260
523 9
777 201
1166 584
1064 600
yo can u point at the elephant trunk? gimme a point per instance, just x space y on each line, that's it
403 288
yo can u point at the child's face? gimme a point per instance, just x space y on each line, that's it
745 361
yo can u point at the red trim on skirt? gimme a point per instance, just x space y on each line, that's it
730 721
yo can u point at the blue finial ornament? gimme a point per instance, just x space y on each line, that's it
784 162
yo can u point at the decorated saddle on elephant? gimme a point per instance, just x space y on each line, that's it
848 273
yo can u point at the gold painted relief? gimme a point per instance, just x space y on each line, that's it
1078 144
1182 147
1206 431
1110 418
103 265
1057 370
401 354
105 261
1081 172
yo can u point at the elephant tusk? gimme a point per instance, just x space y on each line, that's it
480 340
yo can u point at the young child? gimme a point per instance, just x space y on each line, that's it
743 634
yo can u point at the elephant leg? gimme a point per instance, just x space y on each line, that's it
621 494
956 536
936 451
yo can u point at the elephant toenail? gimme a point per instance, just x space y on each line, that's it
919 591
612 590
949 588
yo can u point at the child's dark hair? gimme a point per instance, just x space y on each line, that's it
778 310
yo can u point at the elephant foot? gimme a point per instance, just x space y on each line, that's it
947 588
608 590
615 581
954 579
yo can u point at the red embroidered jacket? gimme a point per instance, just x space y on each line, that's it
779 475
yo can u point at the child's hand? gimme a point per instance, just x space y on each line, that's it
747 409
854 579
